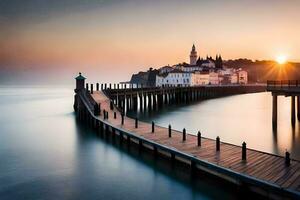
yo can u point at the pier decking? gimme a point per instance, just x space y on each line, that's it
268 174
260 165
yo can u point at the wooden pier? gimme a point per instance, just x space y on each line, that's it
287 88
270 175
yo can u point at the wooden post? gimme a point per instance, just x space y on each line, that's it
274 111
287 158
115 115
105 86
293 110
218 143
97 86
170 131
110 86
184 134
122 120
244 151
136 122
199 138
101 86
87 86
96 109
152 126
298 107
92 88
111 105
104 114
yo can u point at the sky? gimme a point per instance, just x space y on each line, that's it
110 40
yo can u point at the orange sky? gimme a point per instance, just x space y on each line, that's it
135 35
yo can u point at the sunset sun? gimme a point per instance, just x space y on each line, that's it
281 59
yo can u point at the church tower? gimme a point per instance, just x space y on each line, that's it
193 56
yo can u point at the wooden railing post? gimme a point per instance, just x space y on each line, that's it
287 158
244 151
122 118
218 143
115 115
104 114
97 86
199 138
92 88
184 134
152 126
111 105
136 122
170 131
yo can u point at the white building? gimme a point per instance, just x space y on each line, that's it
200 78
234 78
208 63
242 77
214 78
165 69
181 78
174 78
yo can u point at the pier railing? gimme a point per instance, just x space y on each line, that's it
283 84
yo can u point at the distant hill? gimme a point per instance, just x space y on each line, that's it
261 71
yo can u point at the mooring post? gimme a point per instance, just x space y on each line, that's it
244 151
298 107
170 131
111 105
101 86
110 86
183 134
122 120
136 122
104 113
99 107
274 111
97 86
115 115
92 88
87 87
105 86
218 143
199 138
96 110
287 158
293 110
152 126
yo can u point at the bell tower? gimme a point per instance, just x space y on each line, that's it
193 56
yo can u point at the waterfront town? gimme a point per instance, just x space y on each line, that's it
199 71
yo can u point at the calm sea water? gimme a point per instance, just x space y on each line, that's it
235 119
46 154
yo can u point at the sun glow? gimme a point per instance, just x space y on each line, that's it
281 59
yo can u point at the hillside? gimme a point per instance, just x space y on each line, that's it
261 71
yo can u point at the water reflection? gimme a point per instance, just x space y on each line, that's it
46 154
235 119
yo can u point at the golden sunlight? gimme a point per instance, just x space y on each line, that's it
281 59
